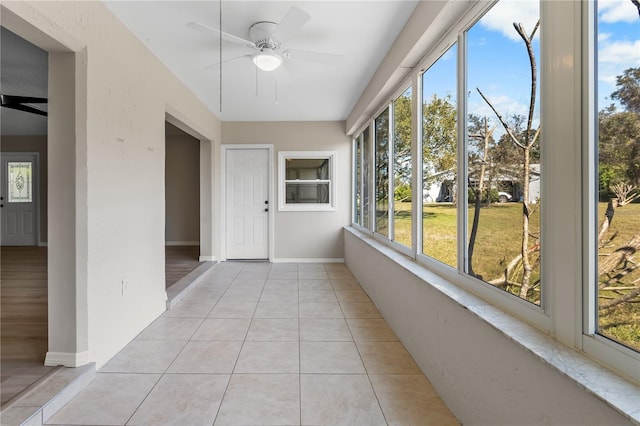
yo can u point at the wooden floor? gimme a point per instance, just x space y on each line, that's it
23 311
23 329
179 261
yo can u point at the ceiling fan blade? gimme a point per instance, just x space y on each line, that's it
292 22
317 57
215 65
225 36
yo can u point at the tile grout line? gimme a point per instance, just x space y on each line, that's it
162 375
226 388
299 356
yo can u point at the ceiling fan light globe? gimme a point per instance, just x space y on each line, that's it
267 61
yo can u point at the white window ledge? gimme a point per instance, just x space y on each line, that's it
614 390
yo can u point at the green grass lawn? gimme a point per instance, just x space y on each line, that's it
622 323
498 242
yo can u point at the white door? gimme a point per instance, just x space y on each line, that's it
247 200
18 200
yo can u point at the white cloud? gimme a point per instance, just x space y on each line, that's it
620 52
502 16
504 104
603 36
612 11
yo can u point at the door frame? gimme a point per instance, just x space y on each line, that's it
223 197
36 188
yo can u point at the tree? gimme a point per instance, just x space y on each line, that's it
402 141
524 142
619 135
482 132
628 89
439 143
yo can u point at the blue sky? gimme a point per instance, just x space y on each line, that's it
498 63
618 44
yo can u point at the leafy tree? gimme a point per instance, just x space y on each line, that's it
619 135
482 161
628 89
439 143
402 140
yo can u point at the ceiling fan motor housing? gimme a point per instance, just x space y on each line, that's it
260 34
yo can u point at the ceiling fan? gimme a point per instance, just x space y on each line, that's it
268 39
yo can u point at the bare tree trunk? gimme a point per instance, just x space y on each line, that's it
526 264
608 218
486 135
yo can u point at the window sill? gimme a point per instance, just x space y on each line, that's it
612 389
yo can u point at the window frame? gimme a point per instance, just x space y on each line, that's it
616 355
360 134
283 156
569 183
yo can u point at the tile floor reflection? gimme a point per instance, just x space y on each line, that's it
263 344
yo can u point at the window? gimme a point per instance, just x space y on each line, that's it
617 225
402 205
357 155
20 188
307 180
393 177
490 171
503 149
439 151
362 175
382 173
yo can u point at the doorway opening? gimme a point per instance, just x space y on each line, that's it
182 203
23 214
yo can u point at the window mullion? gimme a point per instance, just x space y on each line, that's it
461 200
391 164
416 164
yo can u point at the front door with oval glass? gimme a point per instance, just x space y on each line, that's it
18 200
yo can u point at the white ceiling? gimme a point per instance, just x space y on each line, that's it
362 31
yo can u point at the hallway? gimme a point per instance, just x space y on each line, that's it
255 343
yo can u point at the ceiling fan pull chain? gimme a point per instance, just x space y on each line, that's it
276 91
256 81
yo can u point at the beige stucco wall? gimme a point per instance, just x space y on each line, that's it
182 188
303 235
122 93
36 144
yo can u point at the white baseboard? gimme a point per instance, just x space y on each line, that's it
182 243
67 359
207 258
307 260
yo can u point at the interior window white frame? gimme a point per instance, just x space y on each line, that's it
568 269
357 182
282 181
429 60
625 360
364 227
406 83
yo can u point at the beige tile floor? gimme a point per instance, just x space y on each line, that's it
263 344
